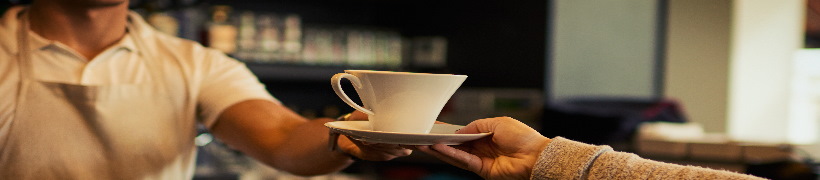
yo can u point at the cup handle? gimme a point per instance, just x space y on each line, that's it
337 87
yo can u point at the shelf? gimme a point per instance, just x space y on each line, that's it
290 72
298 72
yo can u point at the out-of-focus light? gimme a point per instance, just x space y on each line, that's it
203 139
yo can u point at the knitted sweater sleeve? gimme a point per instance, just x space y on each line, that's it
566 159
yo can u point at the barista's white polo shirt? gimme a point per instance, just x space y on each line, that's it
217 80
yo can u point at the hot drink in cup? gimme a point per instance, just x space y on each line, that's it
399 101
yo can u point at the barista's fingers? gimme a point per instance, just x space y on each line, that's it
376 152
390 149
393 149
400 151
357 116
439 122
355 149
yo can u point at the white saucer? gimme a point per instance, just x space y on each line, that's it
440 134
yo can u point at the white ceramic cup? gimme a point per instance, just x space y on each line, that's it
399 101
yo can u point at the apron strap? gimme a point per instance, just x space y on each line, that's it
23 52
148 55
154 64
23 60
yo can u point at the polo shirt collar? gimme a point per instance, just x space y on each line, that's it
37 42
10 24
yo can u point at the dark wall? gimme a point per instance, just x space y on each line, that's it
496 43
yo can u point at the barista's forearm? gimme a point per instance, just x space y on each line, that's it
279 137
306 151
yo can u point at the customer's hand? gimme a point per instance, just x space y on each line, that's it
509 153
370 151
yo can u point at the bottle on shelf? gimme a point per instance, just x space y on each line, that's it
270 38
247 42
292 45
222 34
158 15
320 46
265 37
357 48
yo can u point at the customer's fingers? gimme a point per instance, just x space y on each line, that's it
492 125
474 127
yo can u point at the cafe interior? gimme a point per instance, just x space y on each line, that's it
724 84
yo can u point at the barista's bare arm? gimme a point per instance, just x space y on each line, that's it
279 137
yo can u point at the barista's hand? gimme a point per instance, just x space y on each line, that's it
370 151
509 153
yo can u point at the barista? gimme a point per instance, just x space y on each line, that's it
90 91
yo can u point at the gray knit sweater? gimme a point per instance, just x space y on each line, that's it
566 159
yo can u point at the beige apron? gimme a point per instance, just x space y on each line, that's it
120 131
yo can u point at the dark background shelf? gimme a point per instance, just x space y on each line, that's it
294 73
496 43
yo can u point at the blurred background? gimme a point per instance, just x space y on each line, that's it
727 84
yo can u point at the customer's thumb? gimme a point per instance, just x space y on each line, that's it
478 126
